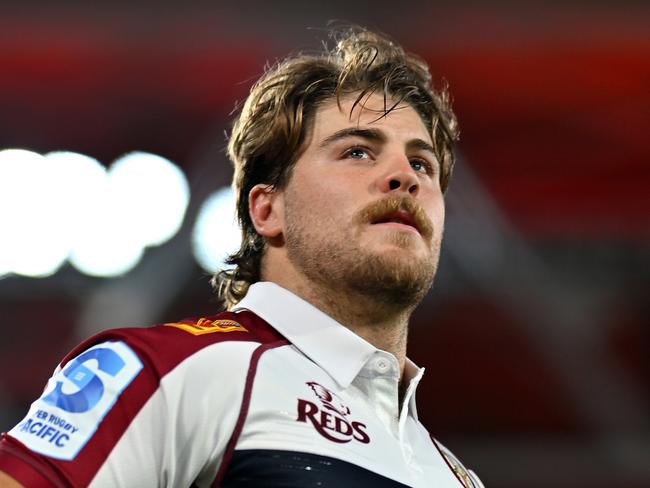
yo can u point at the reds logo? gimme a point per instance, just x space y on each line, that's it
330 419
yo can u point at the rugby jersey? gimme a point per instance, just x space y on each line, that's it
274 393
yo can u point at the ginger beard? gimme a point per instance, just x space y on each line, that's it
330 254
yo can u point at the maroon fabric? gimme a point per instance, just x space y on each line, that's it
160 348
18 462
243 409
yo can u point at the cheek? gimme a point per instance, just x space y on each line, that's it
441 213
326 199
435 206
330 199
315 206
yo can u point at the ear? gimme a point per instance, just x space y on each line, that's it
265 210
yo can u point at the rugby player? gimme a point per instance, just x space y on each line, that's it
341 159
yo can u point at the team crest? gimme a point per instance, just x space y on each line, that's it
331 417
207 326
457 467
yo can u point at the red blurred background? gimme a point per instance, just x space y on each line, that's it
536 335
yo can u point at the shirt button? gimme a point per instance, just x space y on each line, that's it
382 365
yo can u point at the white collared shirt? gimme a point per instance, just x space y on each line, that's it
361 375
274 393
343 355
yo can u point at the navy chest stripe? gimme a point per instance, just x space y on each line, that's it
289 469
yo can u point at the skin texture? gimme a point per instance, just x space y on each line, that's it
7 482
323 242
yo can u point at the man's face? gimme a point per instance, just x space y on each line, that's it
363 209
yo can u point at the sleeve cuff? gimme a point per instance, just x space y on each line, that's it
25 467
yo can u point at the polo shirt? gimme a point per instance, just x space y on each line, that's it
274 393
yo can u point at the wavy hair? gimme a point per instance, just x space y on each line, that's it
269 132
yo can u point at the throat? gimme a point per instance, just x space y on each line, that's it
386 328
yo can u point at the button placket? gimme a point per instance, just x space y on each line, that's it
382 382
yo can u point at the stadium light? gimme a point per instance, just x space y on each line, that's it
142 203
216 233
30 216
152 195
66 205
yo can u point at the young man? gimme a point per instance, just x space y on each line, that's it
341 160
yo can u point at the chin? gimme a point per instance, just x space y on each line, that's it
395 276
404 247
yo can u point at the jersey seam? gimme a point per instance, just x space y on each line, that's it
245 404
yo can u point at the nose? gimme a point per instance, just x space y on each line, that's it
400 178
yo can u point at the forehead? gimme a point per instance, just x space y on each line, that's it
401 122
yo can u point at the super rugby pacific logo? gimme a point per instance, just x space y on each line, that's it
330 418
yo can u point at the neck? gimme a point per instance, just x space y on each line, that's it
382 324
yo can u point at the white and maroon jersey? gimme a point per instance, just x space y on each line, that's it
274 393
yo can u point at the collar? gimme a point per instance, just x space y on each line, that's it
334 347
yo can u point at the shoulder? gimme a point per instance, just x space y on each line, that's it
156 391
164 346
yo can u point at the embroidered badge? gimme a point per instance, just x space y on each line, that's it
206 326
330 419
457 467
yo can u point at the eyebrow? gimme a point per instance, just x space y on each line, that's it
369 134
375 135
421 145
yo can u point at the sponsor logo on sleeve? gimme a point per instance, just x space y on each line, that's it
206 326
76 400
331 417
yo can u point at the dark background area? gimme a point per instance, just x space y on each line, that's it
536 335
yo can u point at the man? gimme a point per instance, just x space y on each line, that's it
341 160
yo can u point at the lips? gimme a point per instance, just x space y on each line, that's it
400 217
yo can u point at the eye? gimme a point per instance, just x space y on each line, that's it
357 153
421 166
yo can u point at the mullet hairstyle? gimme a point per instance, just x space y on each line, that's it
269 133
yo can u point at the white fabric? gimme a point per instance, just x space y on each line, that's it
364 378
328 393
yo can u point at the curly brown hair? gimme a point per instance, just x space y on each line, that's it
268 134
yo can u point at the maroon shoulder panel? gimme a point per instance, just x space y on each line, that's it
160 348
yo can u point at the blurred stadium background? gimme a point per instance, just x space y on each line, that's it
536 337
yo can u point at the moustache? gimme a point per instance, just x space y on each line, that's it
377 210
